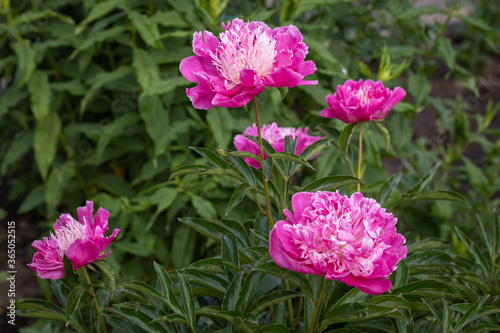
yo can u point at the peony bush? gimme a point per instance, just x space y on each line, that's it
289 247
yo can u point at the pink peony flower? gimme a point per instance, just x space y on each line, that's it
248 57
350 239
82 242
362 101
275 135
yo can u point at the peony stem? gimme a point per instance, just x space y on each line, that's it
92 293
360 153
290 306
318 305
299 310
264 180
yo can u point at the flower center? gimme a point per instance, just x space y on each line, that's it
241 48
364 95
65 236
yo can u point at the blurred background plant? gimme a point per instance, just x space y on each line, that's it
92 106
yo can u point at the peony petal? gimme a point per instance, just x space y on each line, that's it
300 201
369 286
85 214
83 252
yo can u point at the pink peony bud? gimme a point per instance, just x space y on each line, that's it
275 135
82 242
248 57
361 101
350 239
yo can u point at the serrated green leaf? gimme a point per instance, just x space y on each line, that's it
204 207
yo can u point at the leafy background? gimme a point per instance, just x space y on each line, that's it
93 106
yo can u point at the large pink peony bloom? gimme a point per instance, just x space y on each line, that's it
248 57
362 101
350 239
82 242
275 135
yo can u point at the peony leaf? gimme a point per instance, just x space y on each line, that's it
345 138
233 292
271 299
424 181
476 253
229 254
212 158
45 142
187 301
73 301
166 287
331 183
293 158
189 169
98 10
387 187
238 195
221 126
147 28
249 286
40 94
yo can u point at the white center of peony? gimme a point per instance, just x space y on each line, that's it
67 235
241 48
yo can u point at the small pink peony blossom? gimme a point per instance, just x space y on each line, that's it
275 135
82 242
350 239
362 101
248 57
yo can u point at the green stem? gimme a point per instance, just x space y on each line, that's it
299 310
261 148
429 54
258 204
132 27
318 305
290 307
92 293
10 21
360 153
